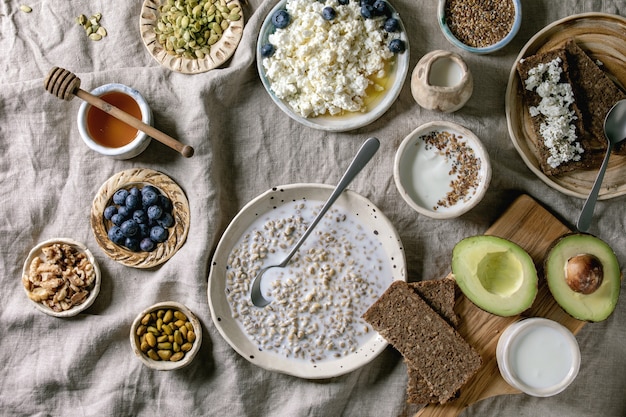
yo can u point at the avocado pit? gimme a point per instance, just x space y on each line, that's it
584 273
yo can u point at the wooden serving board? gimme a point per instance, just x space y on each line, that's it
532 227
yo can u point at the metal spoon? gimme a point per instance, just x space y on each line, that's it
615 132
368 149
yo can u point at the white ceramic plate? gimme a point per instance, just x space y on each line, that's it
603 37
340 123
370 216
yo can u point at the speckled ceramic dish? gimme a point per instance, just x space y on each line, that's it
603 37
378 104
220 52
373 223
177 233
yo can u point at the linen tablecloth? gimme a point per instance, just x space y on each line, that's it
84 366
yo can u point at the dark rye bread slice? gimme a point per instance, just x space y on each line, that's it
532 99
440 295
598 94
428 343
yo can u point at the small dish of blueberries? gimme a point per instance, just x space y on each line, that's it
140 217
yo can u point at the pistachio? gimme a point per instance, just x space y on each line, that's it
165 334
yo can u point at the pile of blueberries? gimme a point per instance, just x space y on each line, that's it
141 218
370 9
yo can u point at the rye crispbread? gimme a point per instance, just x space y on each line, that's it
428 343
594 94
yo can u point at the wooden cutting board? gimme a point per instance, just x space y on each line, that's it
532 227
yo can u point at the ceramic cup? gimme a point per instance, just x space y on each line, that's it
140 141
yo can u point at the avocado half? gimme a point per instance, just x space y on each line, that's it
584 276
495 274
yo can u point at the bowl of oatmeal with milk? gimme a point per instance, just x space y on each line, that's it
312 327
333 65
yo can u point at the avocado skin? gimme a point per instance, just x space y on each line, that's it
598 305
497 275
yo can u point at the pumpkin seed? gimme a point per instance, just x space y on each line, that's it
25 8
188 29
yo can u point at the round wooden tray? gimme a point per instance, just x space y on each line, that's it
180 212
220 51
603 38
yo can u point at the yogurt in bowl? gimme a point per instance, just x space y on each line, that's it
442 170
538 356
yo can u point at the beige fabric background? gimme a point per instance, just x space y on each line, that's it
244 146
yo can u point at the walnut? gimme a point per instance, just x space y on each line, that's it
61 278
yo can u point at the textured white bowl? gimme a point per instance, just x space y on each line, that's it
93 293
405 163
130 150
487 49
512 336
339 123
166 365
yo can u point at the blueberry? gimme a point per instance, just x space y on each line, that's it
343 2
328 13
267 50
116 236
135 191
124 212
280 19
109 212
129 228
381 8
391 25
149 197
166 220
144 230
165 203
155 212
147 245
117 219
140 217
120 196
366 2
159 234
397 46
367 11
133 202
132 244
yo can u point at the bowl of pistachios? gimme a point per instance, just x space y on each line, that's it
190 37
166 336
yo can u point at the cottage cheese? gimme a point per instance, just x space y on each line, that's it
326 67
557 130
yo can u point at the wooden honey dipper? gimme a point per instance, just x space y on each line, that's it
65 85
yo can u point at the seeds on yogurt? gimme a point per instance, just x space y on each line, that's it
318 299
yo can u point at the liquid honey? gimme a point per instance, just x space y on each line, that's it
108 131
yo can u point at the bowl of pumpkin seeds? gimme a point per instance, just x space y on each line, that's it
166 336
191 36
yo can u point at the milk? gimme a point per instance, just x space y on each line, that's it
445 72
